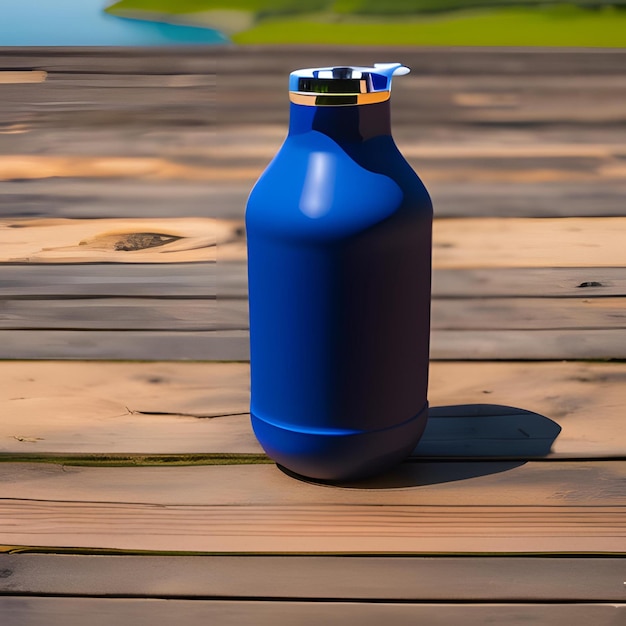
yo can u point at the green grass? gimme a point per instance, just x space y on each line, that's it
412 7
554 26
428 22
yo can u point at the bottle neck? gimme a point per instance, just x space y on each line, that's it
342 123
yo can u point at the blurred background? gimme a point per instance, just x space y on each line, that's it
132 132
345 22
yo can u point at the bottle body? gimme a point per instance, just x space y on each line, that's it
339 248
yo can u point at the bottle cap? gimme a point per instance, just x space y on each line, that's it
343 85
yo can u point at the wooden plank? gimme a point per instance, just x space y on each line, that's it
487 179
480 410
478 345
102 430
529 314
123 60
229 279
145 99
426 507
423 579
125 408
458 197
544 94
224 279
35 167
315 527
88 198
201 389
543 282
469 173
583 398
458 243
222 345
519 242
165 280
100 94
72 611
259 144
117 241
125 314
267 60
131 80
233 345
243 162
226 314
77 124
421 100
453 195
261 141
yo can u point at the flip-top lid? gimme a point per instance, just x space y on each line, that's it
343 85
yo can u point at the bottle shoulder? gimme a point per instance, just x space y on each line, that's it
317 187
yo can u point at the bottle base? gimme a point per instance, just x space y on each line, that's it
339 457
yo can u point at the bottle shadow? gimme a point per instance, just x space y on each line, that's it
466 441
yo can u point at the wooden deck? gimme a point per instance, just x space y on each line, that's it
132 489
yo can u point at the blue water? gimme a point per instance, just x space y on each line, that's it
84 23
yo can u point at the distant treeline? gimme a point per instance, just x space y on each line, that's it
274 8
409 7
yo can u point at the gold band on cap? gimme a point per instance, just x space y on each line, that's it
338 99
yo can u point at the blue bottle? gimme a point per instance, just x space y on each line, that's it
339 265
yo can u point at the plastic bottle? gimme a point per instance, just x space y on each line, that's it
339 266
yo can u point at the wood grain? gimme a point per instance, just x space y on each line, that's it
226 314
458 243
229 279
242 165
24 167
421 507
355 578
222 345
532 345
151 154
543 282
72 611
74 280
125 314
563 242
86 198
233 345
452 193
479 410
116 241
529 314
